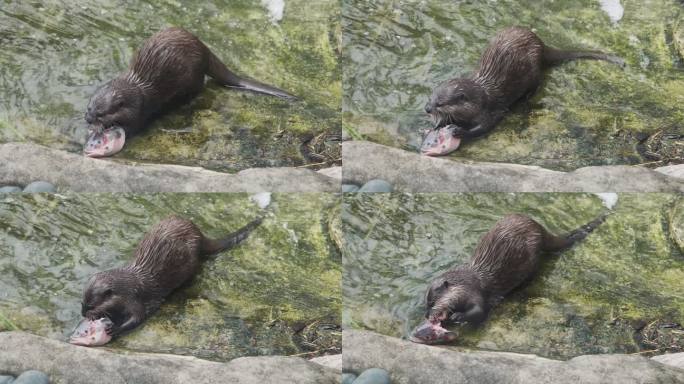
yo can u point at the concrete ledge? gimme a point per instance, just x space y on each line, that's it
410 363
411 172
66 363
22 163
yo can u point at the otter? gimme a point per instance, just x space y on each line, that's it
506 257
168 70
509 69
168 256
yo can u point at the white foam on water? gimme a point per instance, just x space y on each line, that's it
276 8
613 8
609 199
262 199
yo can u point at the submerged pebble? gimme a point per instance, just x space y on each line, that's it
373 376
262 199
347 188
9 189
6 379
32 377
376 185
348 378
609 199
40 186
613 8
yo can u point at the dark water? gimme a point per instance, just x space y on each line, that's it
273 294
56 53
594 298
585 113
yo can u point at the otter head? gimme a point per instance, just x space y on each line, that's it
456 101
118 102
115 106
105 294
447 303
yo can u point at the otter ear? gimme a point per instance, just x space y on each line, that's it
445 284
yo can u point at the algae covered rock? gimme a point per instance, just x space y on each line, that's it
276 293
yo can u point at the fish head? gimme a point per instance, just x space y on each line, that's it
440 141
91 333
104 142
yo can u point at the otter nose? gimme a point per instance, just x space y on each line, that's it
428 108
89 116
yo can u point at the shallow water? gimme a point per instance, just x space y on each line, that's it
56 53
615 292
276 293
585 113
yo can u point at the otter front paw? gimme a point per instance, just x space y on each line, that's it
111 329
456 130
457 317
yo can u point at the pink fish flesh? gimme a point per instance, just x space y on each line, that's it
91 333
440 142
105 143
431 333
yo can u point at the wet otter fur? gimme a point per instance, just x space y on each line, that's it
169 69
506 257
510 68
168 256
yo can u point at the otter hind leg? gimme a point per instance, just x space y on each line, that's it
219 72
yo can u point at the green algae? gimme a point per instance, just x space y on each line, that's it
585 113
598 297
56 54
251 300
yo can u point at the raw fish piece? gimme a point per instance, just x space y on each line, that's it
440 142
105 143
91 333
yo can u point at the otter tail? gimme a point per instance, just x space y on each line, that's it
223 75
211 247
553 56
557 243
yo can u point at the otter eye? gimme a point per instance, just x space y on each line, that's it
108 292
457 98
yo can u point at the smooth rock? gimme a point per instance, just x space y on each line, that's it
10 189
411 172
22 163
373 376
32 377
676 170
417 363
348 188
376 185
6 379
348 378
66 363
330 361
333 172
671 359
40 187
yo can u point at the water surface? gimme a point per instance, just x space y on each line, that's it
585 112
56 53
618 291
276 293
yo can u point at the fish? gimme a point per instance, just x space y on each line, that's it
106 142
91 333
440 141
431 332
